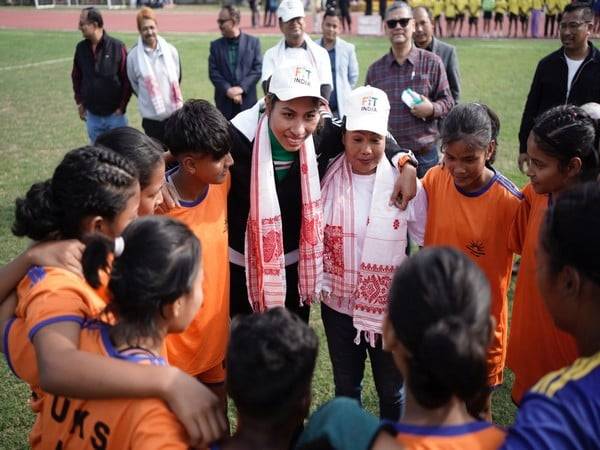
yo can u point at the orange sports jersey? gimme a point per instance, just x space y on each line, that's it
536 346
477 224
46 295
202 345
470 436
68 423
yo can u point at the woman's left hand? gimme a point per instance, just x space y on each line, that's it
405 187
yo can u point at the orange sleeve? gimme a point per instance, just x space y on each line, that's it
158 428
518 230
54 305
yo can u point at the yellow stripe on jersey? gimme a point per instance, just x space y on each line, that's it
555 381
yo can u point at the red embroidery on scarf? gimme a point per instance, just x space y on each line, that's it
333 255
396 224
373 284
272 245
304 168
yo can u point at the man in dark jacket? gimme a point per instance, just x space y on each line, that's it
569 75
99 76
424 39
234 65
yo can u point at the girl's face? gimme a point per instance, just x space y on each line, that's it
293 121
363 150
466 164
116 226
151 195
544 171
551 289
190 304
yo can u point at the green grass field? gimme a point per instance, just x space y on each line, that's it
39 123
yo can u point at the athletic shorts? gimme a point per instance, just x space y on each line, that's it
214 375
487 15
499 17
460 16
473 20
523 18
513 16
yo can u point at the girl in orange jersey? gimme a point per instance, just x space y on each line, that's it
92 189
146 155
438 328
562 150
471 207
156 288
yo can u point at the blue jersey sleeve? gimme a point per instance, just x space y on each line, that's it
544 422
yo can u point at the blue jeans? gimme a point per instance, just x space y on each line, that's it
348 361
427 160
96 125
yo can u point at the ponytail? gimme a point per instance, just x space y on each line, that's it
36 215
440 310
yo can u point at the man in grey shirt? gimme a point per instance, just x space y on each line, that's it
423 38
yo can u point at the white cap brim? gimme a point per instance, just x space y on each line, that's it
291 94
362 123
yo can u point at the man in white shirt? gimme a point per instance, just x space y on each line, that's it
154 71
297 47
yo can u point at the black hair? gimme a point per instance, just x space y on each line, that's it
198 127
586 8
439 308
89 181
476 124
332 11
396 6
159 264
93 15
270 363
234 13
427 11
567 131
563 237
144 152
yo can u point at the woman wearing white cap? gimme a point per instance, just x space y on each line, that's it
275 214
364 242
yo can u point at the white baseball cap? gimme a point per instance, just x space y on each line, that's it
290 9
295 80
367 109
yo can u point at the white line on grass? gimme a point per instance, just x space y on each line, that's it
41 63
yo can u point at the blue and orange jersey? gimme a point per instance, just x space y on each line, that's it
470 436
477 224
46 295
109 423
561 411
536 345
202 345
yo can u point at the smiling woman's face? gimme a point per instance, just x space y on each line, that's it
293 121
363 150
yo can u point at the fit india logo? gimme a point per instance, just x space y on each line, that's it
477 248
368 104
302 76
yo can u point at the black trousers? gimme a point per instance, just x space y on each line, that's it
238 293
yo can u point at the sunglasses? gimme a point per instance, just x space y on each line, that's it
393 23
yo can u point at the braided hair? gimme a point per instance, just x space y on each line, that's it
89 181
567 131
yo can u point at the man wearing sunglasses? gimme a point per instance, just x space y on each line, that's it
407 66
296 47
571 74
234 65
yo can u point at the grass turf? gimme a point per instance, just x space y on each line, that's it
39 123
